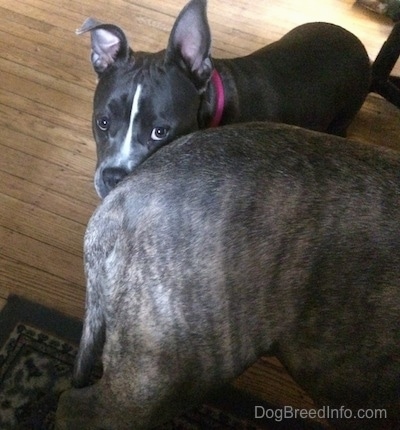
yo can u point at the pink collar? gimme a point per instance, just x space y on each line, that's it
220 95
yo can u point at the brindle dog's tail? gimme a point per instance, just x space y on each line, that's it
92 341
383 82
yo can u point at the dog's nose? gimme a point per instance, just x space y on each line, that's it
112 176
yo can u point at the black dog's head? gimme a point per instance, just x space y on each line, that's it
144 101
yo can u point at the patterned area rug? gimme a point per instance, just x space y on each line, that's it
37 351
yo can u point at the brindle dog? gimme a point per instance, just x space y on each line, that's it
232 243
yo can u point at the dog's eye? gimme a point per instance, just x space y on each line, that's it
159 133
103 123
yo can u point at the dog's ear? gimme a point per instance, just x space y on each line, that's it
190 43
109 44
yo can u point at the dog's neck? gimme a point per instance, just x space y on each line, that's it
220 101
219 96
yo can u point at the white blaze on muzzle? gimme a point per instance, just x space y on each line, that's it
126 145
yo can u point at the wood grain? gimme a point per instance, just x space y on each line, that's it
47 155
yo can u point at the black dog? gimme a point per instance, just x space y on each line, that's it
236 242
317 76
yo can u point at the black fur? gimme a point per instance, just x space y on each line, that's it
317 76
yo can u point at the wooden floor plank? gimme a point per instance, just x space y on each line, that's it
32 221
41 172
49 200
40 286
42 89
36 138
21 115
47 258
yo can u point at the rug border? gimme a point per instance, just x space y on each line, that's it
228 398
24 311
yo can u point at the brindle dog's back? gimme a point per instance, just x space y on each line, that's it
232 241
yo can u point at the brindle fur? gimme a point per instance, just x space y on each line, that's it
233 243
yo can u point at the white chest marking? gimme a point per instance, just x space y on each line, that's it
126 146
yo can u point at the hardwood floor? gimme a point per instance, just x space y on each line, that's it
47 155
